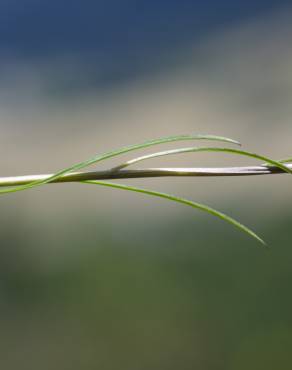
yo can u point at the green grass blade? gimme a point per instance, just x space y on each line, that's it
205 149
187 202
285 160
115 153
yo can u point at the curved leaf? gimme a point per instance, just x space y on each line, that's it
187 202
115 153
205 149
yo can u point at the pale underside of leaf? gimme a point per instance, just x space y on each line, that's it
244 153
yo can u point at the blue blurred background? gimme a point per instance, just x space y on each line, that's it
101 279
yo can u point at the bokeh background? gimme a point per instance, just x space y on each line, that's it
93 278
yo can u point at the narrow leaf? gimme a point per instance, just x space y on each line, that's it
187 202
115 153
205 149
285 160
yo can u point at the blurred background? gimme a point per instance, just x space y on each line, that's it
94 278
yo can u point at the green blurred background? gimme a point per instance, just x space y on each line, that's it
94 278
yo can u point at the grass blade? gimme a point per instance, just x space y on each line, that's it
285 160
115 153
187 202
278 164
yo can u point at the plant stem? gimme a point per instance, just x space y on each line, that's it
146 173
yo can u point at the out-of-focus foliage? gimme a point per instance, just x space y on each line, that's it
158 297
